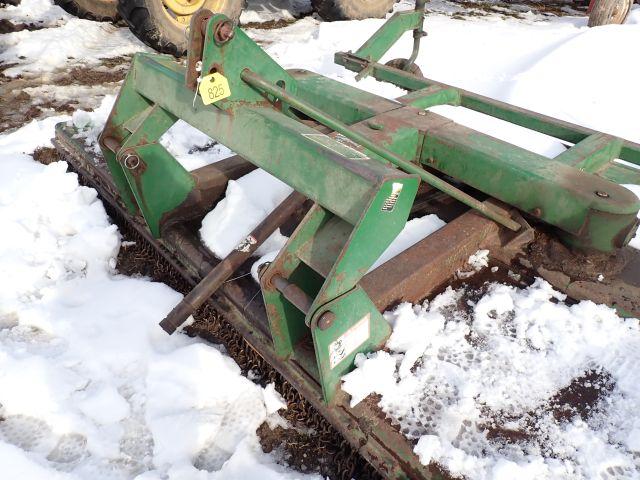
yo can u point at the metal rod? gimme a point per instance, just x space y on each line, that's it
418 33
495 108
258 82
221 272
293 293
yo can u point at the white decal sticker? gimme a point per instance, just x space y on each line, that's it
245 244
346 343
390 202
336 145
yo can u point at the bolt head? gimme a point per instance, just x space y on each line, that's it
223 31
131 161
326 320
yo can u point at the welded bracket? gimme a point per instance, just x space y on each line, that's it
390 32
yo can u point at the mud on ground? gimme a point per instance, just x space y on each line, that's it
33 97
471 8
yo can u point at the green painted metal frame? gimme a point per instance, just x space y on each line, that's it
471 156
346 184
363 177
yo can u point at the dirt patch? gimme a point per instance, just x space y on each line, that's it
45 155
582 396
7 26
91 76
271 24
20 110
470 8
20 107
110 70
548 253
15 114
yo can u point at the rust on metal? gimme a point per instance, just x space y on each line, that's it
223 31
223 270
293 293
210 184
420 270
198 28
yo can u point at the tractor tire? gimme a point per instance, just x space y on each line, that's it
331 10
165 29
399 63
606 12
98 10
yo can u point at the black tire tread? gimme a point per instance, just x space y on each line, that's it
79 10
151 31
140 21
332 10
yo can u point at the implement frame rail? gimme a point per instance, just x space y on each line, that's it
359 157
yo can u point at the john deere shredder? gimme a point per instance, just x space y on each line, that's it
360 166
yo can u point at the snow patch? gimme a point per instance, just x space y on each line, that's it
413 231
192 148
73 42
462 384
247 202
90 386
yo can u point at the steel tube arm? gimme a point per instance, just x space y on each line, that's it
519 116
221 272
258 82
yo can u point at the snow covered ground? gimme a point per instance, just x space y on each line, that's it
90 387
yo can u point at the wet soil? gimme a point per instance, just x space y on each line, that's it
548 253
110 71
270 25
45 155
470 8
584 396
20 107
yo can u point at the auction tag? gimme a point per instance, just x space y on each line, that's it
213 87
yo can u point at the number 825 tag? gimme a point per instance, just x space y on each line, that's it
213 87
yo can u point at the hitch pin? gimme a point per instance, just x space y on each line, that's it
198 80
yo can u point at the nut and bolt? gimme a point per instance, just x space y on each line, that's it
326 320
223 31
131 161
263 268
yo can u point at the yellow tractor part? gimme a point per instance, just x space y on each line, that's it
180 11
